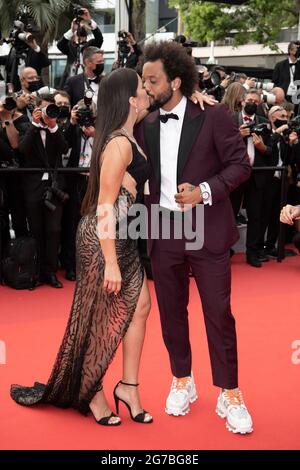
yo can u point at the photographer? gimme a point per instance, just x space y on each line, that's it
89 79
26 97
287 71
81 137
129 51
284 142
12 124
24 52
256 132
74 41
42 146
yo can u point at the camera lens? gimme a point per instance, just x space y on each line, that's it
52 111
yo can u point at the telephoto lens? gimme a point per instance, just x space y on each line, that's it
52 111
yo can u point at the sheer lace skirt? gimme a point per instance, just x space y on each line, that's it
98 321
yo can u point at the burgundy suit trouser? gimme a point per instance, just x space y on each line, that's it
171 263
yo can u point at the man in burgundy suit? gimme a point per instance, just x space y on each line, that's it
197 157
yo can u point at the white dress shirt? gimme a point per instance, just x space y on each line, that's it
170 133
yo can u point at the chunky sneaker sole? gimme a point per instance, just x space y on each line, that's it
222 412
182 412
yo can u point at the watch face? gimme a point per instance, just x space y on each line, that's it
205 195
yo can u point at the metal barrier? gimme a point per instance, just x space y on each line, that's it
284 188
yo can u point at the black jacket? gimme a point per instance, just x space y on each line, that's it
260 159
70 49
37 156
281 74
36 60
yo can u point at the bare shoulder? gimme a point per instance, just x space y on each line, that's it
118 148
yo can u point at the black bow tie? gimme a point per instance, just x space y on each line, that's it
164 117
94 80
292 64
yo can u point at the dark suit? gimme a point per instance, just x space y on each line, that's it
75 87
43 223
76 185
70 49
36 60
281 74
210 150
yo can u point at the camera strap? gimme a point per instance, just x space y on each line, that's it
87 83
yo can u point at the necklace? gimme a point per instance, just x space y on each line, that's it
132 139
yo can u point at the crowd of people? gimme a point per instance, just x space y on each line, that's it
128 129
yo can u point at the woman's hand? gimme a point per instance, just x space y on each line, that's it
201 98
112 278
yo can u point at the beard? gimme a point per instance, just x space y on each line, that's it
161 100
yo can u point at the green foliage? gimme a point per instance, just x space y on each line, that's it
53 17
258 20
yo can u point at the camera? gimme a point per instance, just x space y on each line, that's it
53 192
123 47
211 84
263 129
78 11
18 36
293 126
52 111
9 103
85 115
260 85
268 98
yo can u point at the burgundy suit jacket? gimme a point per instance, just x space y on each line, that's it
211 149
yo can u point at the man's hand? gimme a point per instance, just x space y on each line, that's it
131 39
259 143
23 100
74 117
89 131
289 213
244 131
32 43
293 138
281 129
188 194
86 16
74 26
36 116
201 98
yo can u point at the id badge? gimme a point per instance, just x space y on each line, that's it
45 177
292 89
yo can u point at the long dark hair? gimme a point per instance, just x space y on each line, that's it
113 109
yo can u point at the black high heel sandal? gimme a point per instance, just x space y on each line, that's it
105 420
140 417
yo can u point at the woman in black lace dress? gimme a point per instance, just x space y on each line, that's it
111 300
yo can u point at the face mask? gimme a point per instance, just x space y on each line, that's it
279 123
64 112
250 108
34 86
98 70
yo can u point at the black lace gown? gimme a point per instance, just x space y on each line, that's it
98 321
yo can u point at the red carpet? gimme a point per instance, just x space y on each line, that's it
266 304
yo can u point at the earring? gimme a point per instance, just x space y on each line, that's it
174 89
136 109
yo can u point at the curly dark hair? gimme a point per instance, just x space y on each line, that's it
177 63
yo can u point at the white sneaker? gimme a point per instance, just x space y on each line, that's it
231 405
182 393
